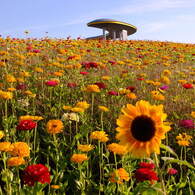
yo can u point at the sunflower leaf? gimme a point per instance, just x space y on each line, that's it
180 162
168 149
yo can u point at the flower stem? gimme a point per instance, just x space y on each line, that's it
160 174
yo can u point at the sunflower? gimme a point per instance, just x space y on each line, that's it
141 128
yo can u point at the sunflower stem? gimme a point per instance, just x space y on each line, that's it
160 174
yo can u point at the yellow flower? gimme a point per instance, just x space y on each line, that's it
165 80
117 148
77 109
67 107
123 91
156 83
20 149
182 81
15 161
84 105
6 95
99 135
166 72
58 74
11 89
92 88
10 79
158 97
131 96
106 78
29 93
79 158
119 175
38 69
54 126
5 146
28 117
2 134
193 114
85 148
141 128
183 139
103 108
24 74
55 187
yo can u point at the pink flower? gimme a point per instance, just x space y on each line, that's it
51 83
172 171
186 123
164 87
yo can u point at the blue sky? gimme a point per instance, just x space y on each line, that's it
164 20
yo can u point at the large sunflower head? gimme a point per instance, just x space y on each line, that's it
141 128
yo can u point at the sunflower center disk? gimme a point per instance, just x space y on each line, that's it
143 128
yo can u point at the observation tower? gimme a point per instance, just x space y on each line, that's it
115 29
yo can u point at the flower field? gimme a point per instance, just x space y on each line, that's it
96 117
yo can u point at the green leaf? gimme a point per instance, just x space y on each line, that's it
150 192
180 162
168 149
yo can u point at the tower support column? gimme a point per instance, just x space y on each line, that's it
104 34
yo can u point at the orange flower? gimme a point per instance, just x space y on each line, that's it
79 158
15 161
92 88
117 148
85 148
20 149
99 135
118 176
54 126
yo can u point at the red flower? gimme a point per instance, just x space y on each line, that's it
36 50
187 86
147 165
112 93
36 173
143 174
100 85
71 57
186 123
21 86
26 125
51 83
172 171
140 79
84 73
111 62
131 88
71 85
88 65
